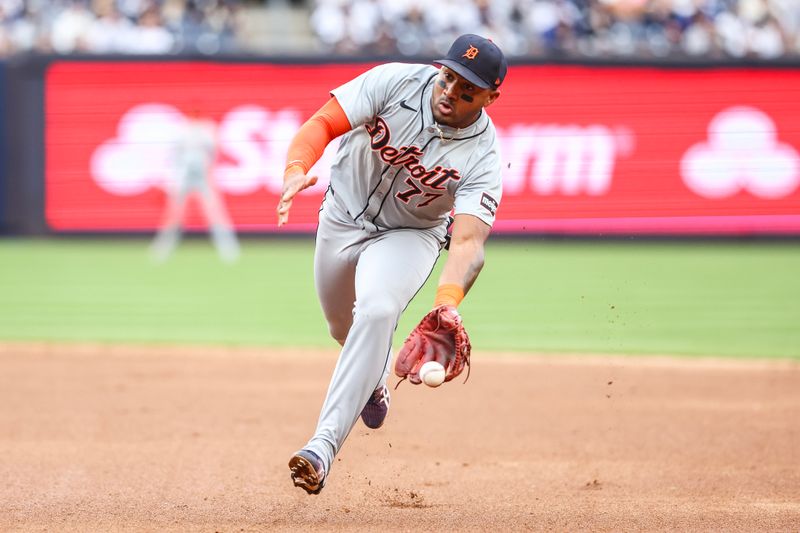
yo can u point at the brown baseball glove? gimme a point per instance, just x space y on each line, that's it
440 336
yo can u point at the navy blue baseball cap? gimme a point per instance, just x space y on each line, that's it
477 60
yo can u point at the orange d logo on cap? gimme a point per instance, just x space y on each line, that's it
471 53
476 59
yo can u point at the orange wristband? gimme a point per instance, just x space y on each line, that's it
448 294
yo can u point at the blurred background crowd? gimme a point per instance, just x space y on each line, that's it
117 26
526 28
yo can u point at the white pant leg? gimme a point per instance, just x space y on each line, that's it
390 270
336 253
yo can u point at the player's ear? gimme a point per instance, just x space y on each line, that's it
493 96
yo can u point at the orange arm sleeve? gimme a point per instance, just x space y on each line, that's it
311 139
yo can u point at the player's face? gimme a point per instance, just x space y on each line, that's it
456 102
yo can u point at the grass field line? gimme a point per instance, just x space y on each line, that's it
127 350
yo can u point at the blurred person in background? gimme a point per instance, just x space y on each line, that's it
70 28
110 32
149 35
193 157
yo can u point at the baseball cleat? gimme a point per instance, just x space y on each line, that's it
376 409
308 471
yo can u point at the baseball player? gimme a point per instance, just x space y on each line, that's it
418 146
193 156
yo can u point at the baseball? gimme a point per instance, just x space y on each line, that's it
432 374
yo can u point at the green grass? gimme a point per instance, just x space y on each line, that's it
729 299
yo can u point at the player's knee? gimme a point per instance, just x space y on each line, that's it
380 310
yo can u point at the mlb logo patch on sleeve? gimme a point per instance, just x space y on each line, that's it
489 203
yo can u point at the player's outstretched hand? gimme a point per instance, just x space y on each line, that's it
293 182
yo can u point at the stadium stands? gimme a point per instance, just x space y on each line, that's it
648 29
572 28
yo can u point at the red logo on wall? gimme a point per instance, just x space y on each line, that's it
742 153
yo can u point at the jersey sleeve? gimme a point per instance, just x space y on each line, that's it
480 193
363 97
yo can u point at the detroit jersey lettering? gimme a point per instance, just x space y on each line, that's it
417 170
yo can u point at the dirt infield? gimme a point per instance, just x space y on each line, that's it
97 438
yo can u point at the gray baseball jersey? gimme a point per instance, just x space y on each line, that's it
396 178
397 168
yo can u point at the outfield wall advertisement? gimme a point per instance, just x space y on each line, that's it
586 150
